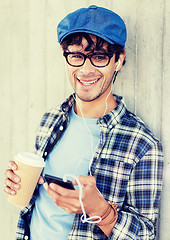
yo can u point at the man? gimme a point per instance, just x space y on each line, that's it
92 135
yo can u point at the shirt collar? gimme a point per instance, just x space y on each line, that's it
109 120
114 117
68 103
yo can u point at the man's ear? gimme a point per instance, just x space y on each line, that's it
119 63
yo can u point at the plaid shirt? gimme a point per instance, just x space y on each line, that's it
127 165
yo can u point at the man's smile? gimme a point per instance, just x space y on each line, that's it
88 82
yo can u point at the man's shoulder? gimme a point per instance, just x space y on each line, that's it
51 115
142 137
131 123
136 124
55 113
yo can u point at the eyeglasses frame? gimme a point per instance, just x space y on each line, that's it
89 56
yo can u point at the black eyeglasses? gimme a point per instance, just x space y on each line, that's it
77 59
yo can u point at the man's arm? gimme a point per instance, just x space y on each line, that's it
137 218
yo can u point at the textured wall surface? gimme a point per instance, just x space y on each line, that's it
33 78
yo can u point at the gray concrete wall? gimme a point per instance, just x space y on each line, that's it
33 78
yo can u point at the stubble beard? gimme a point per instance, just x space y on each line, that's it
92 98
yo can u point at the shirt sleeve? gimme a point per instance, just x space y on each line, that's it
137 218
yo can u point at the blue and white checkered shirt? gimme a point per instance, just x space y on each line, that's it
128 167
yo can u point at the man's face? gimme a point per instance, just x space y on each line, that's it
90 82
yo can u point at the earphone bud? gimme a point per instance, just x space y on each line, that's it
118 64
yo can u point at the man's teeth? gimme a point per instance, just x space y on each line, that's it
89 82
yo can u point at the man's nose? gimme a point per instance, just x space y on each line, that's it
87 67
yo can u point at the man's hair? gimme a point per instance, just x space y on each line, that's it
76 38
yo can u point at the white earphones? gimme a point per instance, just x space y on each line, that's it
118 65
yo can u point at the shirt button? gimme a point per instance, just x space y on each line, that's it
61 128
26 237
45 154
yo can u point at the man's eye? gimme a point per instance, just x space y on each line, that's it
99 57
77 56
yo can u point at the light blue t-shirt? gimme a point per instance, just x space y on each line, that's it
72 154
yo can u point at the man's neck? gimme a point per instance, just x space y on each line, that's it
96 108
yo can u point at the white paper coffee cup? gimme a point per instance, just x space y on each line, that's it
29 169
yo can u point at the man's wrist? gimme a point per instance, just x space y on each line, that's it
110 216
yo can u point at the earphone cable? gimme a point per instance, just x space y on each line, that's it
84 216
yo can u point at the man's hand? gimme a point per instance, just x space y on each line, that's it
12 180
94 203
68 200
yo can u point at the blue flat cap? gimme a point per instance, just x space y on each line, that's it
99 21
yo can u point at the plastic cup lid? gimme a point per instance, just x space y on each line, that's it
30 159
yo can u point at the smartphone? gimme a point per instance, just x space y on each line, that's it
51 179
